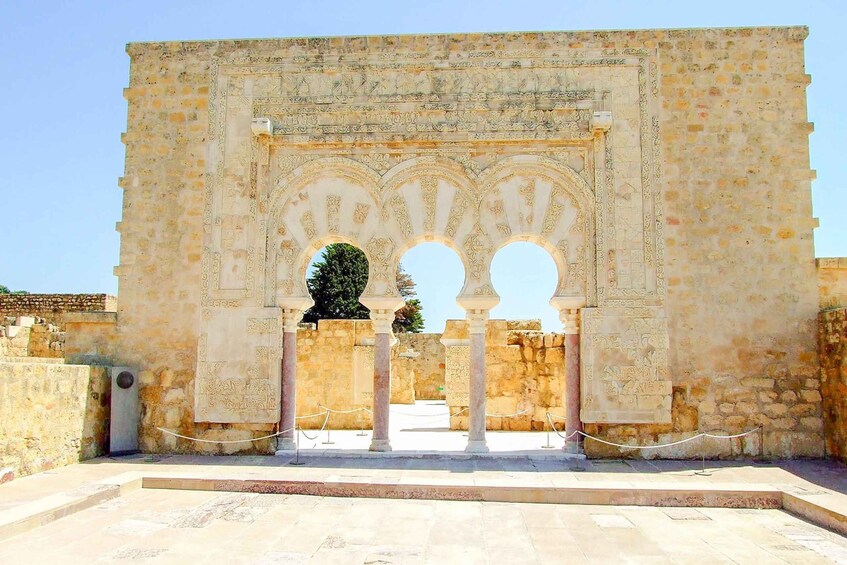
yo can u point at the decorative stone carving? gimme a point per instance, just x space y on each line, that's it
238 369
624 357
457 374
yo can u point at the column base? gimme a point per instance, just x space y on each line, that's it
380 445
573 446
285 444
476 446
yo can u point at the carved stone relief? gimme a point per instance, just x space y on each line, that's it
457 374
624 358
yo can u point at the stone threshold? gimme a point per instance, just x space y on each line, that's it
29 516
527 455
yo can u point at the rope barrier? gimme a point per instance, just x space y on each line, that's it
507 415
345 411
199 440
625 446
307 416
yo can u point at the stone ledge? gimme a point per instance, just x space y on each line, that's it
100 317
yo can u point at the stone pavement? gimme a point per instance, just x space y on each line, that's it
98 510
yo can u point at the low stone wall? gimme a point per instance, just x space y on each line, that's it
51 414
524 373
326 373
832 281
833 354
91 337
53 307
422 355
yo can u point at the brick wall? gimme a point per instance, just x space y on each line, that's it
52 307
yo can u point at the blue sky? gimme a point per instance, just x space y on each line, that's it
64 67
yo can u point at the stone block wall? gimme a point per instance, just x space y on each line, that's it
91 337
53 307
833 352
51 415
832 281
326 373
524 372
427 367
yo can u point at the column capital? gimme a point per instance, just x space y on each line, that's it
292 311
477 321
382 320
290 318
568 307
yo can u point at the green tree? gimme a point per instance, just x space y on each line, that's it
339 278
5 290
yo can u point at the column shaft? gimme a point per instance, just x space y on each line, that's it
288 399
476 428
382 392
573 423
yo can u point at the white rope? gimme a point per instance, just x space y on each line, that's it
345 411
199 440
507 415
626 446
306 417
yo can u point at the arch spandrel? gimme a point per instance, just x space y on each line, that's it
325 201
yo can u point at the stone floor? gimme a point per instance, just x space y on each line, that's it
158 526
98 512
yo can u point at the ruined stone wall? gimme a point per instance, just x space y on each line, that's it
426 370
524 373
91 338
326 375
832 281
833 351
736 265
52 307
51 415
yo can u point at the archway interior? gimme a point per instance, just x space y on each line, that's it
335 278
525 275
438 275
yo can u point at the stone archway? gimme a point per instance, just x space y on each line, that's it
522 197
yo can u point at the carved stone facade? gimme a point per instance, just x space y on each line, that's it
246 157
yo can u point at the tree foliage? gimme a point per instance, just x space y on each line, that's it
339 278
5 290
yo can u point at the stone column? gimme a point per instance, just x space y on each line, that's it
477 321
573 422
382 320
382 315
292 313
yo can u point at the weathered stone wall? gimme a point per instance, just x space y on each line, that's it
30 337
51 415
733 207
832 281
91 338
524 373
427 367
833 351
326 376
52 307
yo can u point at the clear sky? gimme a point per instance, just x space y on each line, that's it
64 67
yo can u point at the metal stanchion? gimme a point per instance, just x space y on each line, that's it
362 425
548 445
297 448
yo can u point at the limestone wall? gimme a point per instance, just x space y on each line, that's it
524 372
51 414
427 367
732 262
91 337
833 350
832 281
52 307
